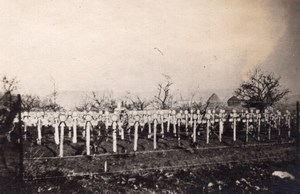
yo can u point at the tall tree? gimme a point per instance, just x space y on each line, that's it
163 97
262 90
9 85
30 102
103 101
136 101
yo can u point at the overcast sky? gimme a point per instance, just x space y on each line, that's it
127 45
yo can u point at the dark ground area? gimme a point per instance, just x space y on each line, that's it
246 178
227 167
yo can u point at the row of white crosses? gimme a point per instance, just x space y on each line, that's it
87 120
275 119
139 119
251 117
271 118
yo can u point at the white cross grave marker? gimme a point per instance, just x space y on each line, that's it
39 128
62 124
114 133
136 128
88 127
234 117
154 130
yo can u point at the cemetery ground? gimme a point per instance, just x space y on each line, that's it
217 167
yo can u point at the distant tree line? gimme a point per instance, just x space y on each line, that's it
261 90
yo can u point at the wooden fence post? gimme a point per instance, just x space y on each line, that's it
25 120
21 154
297 132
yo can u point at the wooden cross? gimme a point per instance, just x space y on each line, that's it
287 117
199 120
106 113
208 117
191 117
56 130
39 128
173 120
162 120
62 124
75 119
25 120
143 120
114 133
234 117
266 119
279 122
221 123
258 120
154 130
149 119
195 117
186 114
178 121
169 120
69 123
136 128
88 129
246 120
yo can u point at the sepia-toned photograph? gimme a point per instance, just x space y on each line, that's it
140 96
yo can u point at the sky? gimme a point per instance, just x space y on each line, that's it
127 45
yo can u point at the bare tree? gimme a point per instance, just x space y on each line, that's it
54 93
261 90
104 101
163 97
30 102
136 101
191 102
85 105
50 103
9 85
